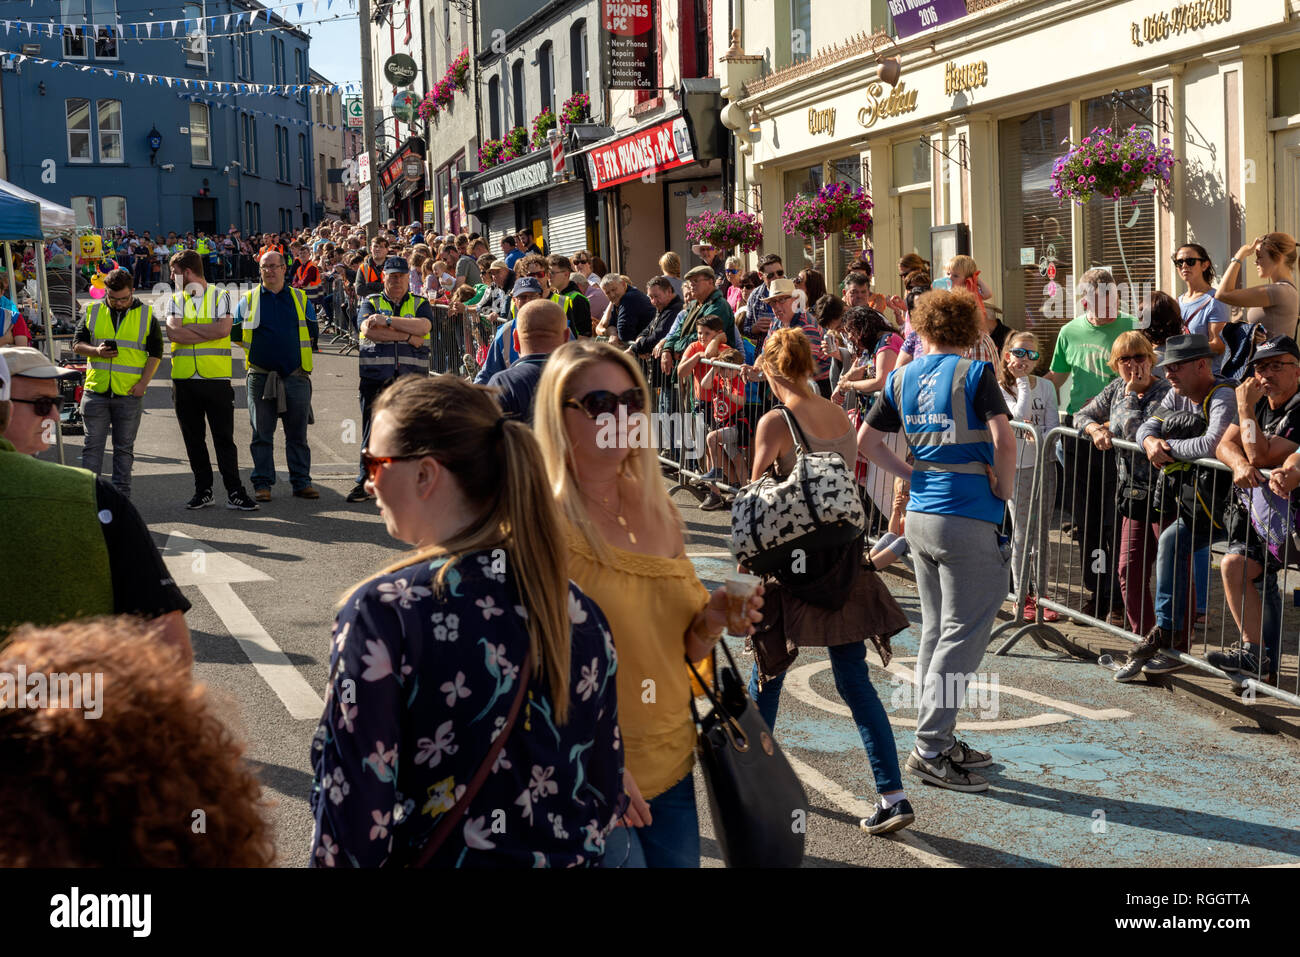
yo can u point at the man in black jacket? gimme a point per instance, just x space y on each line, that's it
668 305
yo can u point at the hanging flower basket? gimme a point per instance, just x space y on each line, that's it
576 109
1112 165
836 208
724 230
440 97
543 122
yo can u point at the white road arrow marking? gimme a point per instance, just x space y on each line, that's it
192 562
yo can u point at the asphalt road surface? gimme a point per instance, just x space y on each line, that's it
1086 772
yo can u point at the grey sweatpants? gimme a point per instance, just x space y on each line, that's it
961 577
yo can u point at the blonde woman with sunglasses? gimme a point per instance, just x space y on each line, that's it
627 550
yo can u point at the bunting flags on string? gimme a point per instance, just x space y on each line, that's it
279 118
223 87
148 25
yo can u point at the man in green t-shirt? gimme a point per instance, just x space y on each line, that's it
1082 355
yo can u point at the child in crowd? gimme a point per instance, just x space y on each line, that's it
728 442
1031 399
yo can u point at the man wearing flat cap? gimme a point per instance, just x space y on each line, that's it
1266 434
1189 423
395 328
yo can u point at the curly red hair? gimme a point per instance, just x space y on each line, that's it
121 790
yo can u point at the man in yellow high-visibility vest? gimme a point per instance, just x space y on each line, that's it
124 345
198 321
276 326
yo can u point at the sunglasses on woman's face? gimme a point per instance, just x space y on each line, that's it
603 402
44 405
733 271
1186 263
1136 358
372 463
1024 354
581 262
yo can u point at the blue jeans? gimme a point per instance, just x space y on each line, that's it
104 412
262 413
853 682
672 840
1178 542
1201 574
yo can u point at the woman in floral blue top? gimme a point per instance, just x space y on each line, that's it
427 658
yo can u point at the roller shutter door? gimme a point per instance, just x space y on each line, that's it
566 219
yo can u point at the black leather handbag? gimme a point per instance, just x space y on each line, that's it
757 804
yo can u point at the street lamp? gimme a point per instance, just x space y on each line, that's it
155 142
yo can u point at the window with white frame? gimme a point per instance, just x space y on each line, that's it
196 39
110 130
83 207
244 53
72 14
78 123
103 16
114 211
200 135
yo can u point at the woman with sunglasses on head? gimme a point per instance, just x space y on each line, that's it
1117 412
1202 313
735 295
476 638
1275 304
626 549
866 611
1031 399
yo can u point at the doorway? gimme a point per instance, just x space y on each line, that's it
1287 167
205 215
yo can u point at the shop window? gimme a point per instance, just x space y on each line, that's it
801 252
800 30
1122 235
1035 226
1286 83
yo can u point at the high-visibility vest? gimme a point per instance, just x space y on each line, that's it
253 319
315 290
384 360
123 370
210 359
203 247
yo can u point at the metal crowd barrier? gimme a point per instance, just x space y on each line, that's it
450 342
1111 553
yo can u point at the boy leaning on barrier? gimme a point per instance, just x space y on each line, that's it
1202 406
1268 433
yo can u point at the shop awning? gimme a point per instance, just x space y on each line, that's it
508 181
656 147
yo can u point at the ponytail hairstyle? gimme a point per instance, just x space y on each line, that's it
499 469
1005 378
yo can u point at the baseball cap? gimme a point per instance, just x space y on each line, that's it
526 284
31 363
396 264
4 380
1277 346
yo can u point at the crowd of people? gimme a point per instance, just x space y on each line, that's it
497 695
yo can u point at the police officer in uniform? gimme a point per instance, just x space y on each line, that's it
395 329
199 318
124 345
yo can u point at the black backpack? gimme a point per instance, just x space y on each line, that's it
1241 338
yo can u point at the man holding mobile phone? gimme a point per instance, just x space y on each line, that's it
124 345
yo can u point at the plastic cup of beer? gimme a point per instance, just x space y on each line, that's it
740 588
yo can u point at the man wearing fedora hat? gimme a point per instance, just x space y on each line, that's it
1266 434
787 315
1197 394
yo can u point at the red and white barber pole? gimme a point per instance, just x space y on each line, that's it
557 154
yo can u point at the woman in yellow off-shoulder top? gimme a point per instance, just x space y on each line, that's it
627 552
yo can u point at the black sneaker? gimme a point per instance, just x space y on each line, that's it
1163 664
358 494
1239 659
1151 644
200 500
713 502
885 820
941 772
238 499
